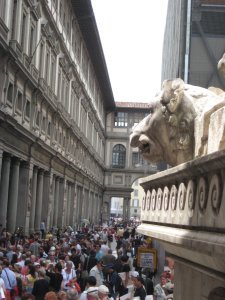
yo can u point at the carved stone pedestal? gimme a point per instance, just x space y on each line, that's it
184 209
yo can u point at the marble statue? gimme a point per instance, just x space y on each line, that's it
186 122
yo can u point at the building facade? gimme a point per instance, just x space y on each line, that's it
64 146
194 42
54 96
124 164
184 206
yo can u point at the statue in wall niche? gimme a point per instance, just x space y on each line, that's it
178 128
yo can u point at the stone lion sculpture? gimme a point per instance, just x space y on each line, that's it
186 122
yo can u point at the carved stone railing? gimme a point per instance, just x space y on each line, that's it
191 195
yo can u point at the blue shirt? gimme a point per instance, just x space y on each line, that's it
10 281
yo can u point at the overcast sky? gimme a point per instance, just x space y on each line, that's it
131 33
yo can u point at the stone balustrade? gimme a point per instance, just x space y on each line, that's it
190 195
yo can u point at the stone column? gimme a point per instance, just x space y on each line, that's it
33 198
67 204
13 196
75 211
94 209
60 203
38 210
45 200
1 155
51 201
4 189
89 207
24 195
56 209
126 208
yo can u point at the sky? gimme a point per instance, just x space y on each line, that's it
131 34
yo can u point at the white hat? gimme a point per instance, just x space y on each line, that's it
78 247
92 290
167 269
103 289
52 248
134 274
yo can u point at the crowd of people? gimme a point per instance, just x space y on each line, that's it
69 265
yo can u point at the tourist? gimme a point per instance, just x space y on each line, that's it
103 293
90 281
159 289
92 293
96 271
2 286
72 294
54 273
41 286
9 279
138 282
30 279
68 274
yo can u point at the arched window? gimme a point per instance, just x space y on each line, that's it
118 156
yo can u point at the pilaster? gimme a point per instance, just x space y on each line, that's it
13 196
4 189
38 210
33 198
56 202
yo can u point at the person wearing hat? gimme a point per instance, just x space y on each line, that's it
115 283
92 293
103 293
90 281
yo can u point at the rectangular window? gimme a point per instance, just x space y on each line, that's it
135 203
47 67
19 103
53 67
60 10
49 129
2 9
121 119
38 119
59 85
137 159
31 45
43 126
10 94
27 109
41 60
23 30
67 97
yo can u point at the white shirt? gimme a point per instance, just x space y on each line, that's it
67 277
83 296
97 274
2 289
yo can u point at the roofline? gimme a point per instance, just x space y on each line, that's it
88 26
